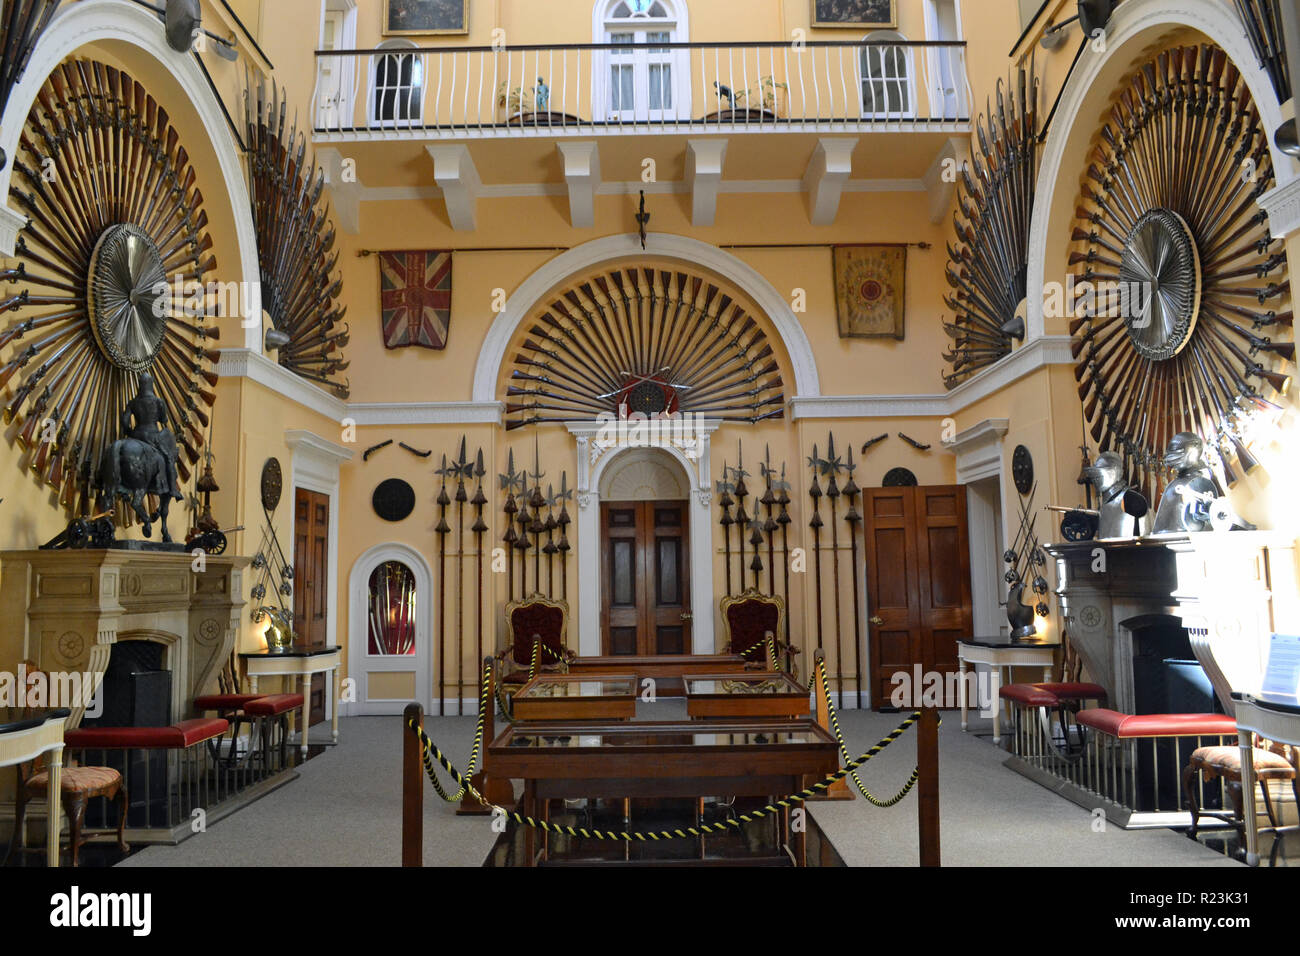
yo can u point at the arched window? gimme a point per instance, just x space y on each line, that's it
391 611
397 86
888 87
645 82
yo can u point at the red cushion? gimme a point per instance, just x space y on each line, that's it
225 701
1156 725
176 737
1074 690
273 705
200 729
1028 695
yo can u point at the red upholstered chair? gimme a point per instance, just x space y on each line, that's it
748 619
77 786
536 618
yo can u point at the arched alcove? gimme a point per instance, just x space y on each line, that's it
363 665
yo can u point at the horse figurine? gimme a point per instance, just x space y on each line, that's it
144 462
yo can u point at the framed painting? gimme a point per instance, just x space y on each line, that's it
414 17
858 14
871 291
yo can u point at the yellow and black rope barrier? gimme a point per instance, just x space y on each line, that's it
839 737
476 751
430 752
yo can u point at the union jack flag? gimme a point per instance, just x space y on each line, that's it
415 298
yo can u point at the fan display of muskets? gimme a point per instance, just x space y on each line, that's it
111 265
295 243
987 268
22 22
1169 207
650 341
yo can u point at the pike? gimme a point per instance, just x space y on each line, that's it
783 519
462 468
768 501
742 519
479 528
549 549
442 529
724 488
815 492
851 492
536 501
562 522
831 469
510 509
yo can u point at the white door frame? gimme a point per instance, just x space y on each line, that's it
361 663
979 451
594 456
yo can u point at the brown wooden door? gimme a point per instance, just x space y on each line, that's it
311 580
918 581
646 607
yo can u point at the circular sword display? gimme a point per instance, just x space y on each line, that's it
1180 309
109 278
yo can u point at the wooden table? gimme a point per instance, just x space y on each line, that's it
666 670
662 759
26 738
751 694
301 663
577 697
997 653
1278 722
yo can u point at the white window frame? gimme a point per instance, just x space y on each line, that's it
372 88
345 109
954 57
677 25
887 39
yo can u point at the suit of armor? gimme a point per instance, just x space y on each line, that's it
1187 502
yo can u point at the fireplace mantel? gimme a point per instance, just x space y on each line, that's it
1231 589
66 609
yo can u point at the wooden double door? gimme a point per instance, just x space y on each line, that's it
645 578
311 525
918 581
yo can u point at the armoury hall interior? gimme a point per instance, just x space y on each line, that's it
645 433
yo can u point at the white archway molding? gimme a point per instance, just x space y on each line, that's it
690 252
1134 24
97 21
360 663
594 458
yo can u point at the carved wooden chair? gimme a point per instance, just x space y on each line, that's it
535 619
78 785
1271 761
748 619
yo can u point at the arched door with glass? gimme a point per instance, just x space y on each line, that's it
643 82
391 656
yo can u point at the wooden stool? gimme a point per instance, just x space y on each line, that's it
1212 762
77 786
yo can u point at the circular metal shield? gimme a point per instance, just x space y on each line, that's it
1160 276
393 500
126 273
272 483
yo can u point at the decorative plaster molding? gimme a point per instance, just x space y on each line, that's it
979 449
426 413
704 162
246 363
11 223
828 172
582 178
1282 203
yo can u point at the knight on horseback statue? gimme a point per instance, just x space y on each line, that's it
143 462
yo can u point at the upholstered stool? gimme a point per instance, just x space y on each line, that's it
1209 763
273 710
1031 739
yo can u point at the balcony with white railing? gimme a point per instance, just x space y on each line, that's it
460 93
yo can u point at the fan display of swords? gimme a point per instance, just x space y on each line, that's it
646 341
827 474
1170 204
527 530
110 267
460 482
1026 561
987 268
22 22
295 241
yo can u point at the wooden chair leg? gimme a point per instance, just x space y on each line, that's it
1238 814
1190 774
1268 803
75 807
122 804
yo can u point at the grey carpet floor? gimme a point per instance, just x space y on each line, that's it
345 810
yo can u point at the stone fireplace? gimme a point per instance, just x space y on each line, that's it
1225 591
68 610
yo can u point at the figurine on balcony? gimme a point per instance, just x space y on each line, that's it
542 96
1188 500
143 462
1120 508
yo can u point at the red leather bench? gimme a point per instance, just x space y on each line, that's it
178 736
1128 726
1032 739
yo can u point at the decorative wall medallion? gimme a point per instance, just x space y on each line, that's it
393 499
71 646
1160 257
1090 616
272 484
210 631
